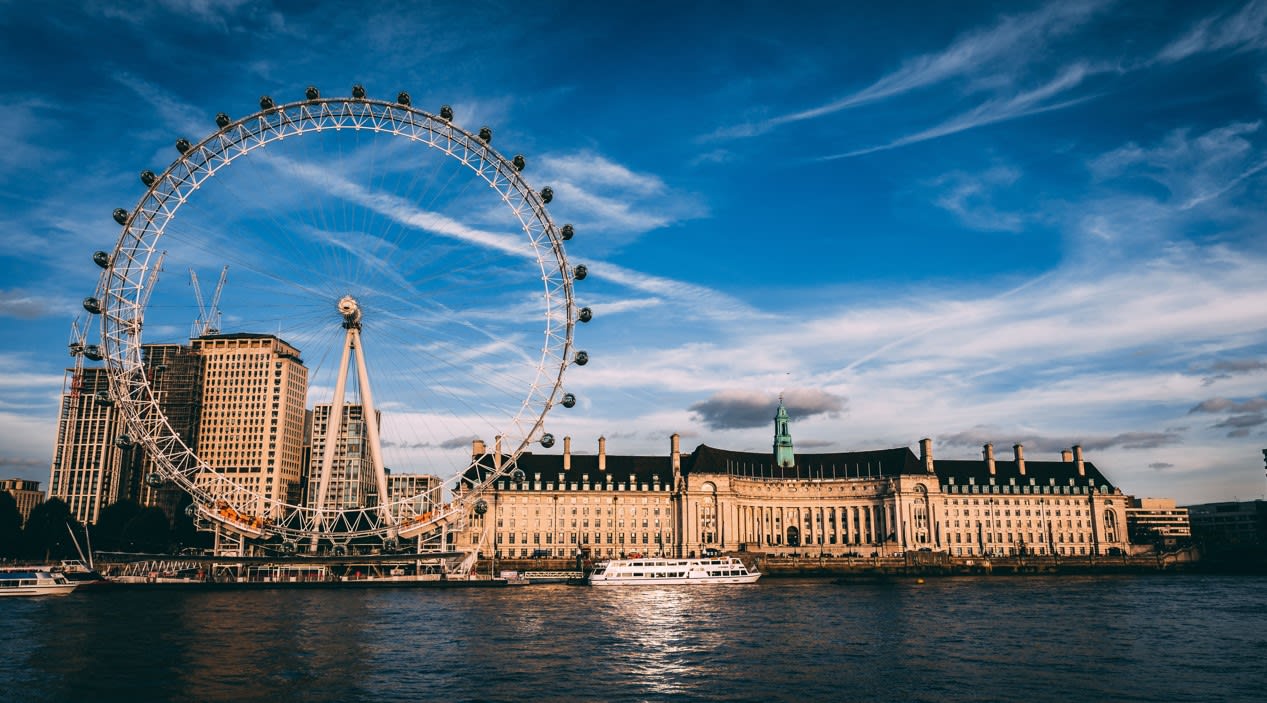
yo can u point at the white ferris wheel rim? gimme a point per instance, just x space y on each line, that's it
127 281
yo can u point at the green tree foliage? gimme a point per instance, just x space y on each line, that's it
10 527
107 533
46 536
148 531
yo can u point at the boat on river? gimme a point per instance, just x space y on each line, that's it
34 582
664 572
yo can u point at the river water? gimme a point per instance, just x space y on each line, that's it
1120 638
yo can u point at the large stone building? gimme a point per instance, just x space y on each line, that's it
251 423
879 502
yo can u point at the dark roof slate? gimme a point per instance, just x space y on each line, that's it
1042 472
874 463
643 469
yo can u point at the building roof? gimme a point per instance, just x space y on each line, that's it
643 469
873 463
1042 472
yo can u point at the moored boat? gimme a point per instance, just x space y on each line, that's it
34 582
657 572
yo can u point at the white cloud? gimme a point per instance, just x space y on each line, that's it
992 57
1245 29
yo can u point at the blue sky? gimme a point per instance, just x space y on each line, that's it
1018 222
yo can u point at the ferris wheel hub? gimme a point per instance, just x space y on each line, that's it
350 310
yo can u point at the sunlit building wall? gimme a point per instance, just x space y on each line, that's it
252 416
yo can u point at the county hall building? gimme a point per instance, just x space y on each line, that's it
877 502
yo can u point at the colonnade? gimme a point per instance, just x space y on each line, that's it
766 526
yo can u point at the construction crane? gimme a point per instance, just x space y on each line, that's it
208 321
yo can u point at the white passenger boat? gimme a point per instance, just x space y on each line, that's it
656 572
34 582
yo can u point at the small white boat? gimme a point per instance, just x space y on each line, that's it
658 572
34 582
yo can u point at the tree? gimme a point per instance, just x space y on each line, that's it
149 531
184 533
10 527
46 536
107 532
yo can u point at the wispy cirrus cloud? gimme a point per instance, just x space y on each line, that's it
1240 30
604 197
1047 97
969 197
1000 50
1194 169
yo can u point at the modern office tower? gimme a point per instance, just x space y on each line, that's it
351 483
252 421
26 494
91 446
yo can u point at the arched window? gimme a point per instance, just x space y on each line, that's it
1110 526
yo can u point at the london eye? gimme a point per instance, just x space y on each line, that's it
401 260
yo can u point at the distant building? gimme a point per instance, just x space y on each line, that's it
96 462
252 417
91 447
878 502
1230 524
352 483
26 493
175 375
424 490
1157 521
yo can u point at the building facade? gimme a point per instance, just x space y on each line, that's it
88 454
352 483
1230 523
26 494
252 416
1157 521
561 505
424 492
870 503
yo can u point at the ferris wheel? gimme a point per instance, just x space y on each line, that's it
389 271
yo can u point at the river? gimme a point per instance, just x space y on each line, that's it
1123 638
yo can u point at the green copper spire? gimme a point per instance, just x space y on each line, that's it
783 454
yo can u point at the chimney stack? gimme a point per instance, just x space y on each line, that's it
497 453
1066 455
602 453
1077 458
567 453
477 447
988 453
675 451
926 454
1019 449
